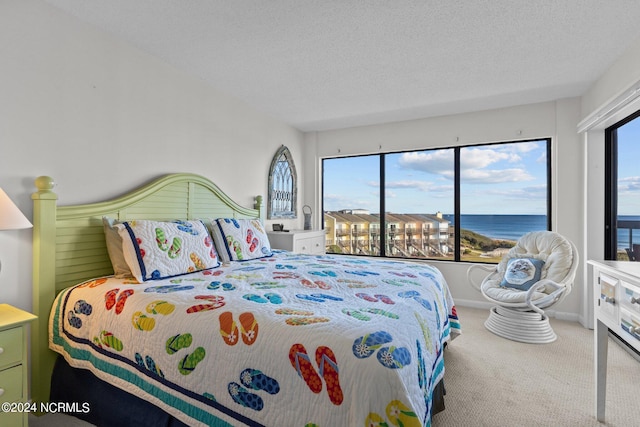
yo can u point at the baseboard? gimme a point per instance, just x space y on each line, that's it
486 305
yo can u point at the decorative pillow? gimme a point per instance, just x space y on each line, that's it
240 239
114 248
522 273
157 250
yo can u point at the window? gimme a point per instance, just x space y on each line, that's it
407 204
622 215
282 186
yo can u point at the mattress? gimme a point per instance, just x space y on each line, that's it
283 340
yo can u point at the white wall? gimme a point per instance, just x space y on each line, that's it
605 103
557 120
102 118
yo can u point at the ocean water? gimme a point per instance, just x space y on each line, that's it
623 235
511 227
503 227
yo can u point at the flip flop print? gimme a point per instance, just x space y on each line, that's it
80 307
362 273
267 285
213 272
143 322
400 282
285 275
208 242
257 225
318 297
241 396
93 283
267 298
301 317
235 247
114 298
149 364
188 364
228 328
109 340
400 415
315 284
394 357
302 364
356 314
232 221
161 240
367 297
381 312
415 295
215 301
178 342
165 289
328 369
397 413
256 380
216 285
186 227
248 328
366 345
403 274
324 273
197 262
252 241
190 361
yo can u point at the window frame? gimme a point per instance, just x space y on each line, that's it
457 190
611 186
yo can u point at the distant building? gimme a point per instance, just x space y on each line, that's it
356 231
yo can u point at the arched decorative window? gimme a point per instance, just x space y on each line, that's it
283 188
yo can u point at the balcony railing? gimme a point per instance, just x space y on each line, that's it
633 249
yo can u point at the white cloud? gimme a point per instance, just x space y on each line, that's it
475 163
494 176
630 184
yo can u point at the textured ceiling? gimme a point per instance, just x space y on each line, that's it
320 65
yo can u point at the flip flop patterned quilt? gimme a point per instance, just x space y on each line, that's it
288 340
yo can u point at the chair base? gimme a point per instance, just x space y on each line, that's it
523 326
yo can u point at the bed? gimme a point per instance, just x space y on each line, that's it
236 333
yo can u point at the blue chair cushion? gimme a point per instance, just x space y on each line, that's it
522 273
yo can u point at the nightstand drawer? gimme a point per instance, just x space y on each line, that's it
10 346
11 384
314 245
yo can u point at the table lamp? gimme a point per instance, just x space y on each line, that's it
10 216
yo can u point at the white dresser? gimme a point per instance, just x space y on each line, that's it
298 241
617 308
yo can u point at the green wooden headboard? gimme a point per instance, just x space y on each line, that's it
69 245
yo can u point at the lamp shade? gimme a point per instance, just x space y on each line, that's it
10 216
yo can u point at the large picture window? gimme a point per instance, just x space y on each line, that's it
622 215
409 204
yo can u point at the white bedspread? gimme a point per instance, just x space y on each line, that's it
286 340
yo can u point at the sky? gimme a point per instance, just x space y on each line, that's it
495 179
629 168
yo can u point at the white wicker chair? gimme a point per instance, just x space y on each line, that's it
519 314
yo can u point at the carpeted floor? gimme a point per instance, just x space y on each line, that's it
491 381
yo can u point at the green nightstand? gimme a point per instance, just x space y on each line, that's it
14 384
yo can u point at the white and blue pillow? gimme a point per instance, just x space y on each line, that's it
240 239
157 250
522 273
